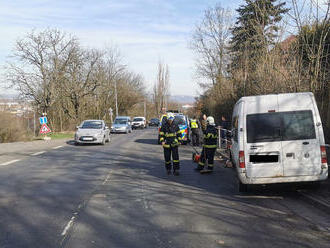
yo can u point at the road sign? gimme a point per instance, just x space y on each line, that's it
43 120
44 129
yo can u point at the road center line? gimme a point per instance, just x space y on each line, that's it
38 153
10 162
57 147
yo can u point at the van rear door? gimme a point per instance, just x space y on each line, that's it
263 146
301 148
263 141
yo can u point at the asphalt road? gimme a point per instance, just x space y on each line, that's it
118 195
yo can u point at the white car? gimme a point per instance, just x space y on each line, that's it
92 131
139 122
278 139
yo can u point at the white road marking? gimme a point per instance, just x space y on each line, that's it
38 153
57 147
10 162
68 226
107 179
259 197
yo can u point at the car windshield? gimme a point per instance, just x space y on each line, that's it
154 120
180 120
137 119
281 126
92 125
120 121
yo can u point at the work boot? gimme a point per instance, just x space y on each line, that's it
199 168
176 172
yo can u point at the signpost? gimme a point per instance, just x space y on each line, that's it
43 122
44 129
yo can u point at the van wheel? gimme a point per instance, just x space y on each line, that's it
243 188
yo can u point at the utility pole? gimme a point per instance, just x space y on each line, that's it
34 122
116 98
145 108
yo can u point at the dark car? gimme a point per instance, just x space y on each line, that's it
154 122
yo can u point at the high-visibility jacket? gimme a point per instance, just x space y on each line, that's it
193 124
210 137
170 134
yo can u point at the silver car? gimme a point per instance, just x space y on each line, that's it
92 131
121 125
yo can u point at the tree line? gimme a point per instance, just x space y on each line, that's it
70 82
270 47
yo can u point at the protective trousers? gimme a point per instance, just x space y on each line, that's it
174 151
195 136
207 154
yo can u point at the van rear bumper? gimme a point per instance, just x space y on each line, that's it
270 180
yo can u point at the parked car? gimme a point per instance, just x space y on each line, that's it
139 122
122 124
183 123
278 139
154 122
92 131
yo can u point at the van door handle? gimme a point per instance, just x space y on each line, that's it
305 143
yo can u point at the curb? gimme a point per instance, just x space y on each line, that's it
315 201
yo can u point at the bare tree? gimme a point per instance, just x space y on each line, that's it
210 40
161 88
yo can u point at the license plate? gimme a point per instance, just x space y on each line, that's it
88 139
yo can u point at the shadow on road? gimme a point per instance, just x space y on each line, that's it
147 141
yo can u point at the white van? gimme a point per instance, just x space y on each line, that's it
278 139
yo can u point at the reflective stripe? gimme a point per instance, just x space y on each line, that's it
210 165
169 162
166 146
201 163
210 146
210 135
161 139
176 161
170 135
161 133
179 132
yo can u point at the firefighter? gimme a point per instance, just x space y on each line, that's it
170 138
194 126
209 146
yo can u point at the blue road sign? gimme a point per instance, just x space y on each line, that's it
43 120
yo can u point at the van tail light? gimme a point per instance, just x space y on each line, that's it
241 159
324 156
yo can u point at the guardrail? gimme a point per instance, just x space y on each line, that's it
224 142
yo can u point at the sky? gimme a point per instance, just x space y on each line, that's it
145 31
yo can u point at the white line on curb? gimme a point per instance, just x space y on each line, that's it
38 153
57 147
67 227
10 162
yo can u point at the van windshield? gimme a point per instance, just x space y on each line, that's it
280 126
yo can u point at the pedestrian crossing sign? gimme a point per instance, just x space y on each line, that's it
44 129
